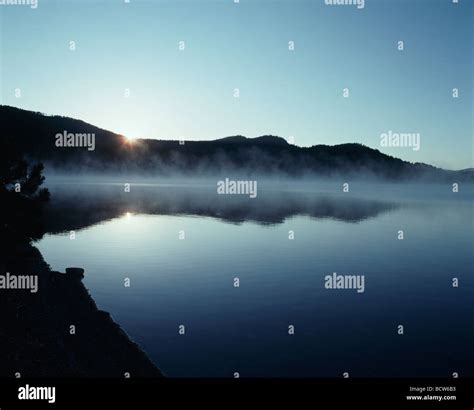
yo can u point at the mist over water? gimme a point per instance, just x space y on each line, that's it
280 245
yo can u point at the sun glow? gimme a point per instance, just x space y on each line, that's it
129 139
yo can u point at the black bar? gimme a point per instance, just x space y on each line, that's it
241 393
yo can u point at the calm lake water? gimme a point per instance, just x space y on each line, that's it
244 329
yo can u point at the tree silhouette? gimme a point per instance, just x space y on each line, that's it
21 197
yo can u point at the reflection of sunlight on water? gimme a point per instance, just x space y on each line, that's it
173 279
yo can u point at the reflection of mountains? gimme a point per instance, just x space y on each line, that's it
85 205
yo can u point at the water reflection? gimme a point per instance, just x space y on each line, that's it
86 205
282 281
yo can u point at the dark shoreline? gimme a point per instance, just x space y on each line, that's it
35 336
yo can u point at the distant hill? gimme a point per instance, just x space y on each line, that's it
35 135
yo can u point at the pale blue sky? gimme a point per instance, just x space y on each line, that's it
189 94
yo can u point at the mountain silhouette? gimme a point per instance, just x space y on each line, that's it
35 135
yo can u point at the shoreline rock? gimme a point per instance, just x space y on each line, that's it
59 331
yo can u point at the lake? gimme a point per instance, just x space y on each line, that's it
184 249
